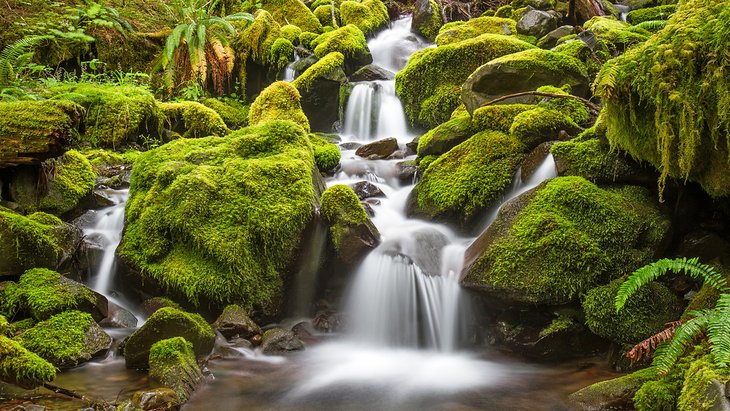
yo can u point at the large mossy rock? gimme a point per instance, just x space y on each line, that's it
457 31
617 393
33 131
352 232
167 322
220 219
463 182
430 84
523 71
36 240
319 86
173 365
42 293
292 12
367 15
21 367
348 40
193 120
427 19
666 101
563 238
67 339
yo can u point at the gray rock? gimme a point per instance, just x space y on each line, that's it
234 321
550 40
366 189
536 23
372 72
279 340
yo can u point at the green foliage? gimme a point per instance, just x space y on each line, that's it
446 136
42 293
475 27
197 120
666 100
306 39
60 339
322 67
22 367
557 325
435 71
348 40
279 101
326 155
292 12
367 15
256 40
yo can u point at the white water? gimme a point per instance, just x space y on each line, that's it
107 226
289 73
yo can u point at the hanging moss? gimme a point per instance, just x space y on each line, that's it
666 100
323 66
279 101
475 27
21 367
433 71
291 33
367 15
256 39
348 40
233 112
468 178
651 13
568 237
292 12
326 155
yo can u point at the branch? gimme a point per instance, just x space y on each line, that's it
64 391
593 107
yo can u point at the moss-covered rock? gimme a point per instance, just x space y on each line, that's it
538 125
36 240
454 33
233 112
282 52
618 33
498 116
427 19
352 232
322 67
67 339
324 15
278 340
193 120
220 219
279 101
165 323
562 239
651 13
43 293
666 103
32 131
367 15
21 367
616 393
446 136
523 71
433 76
348 40
645 313
292 12
700 377
173 365
466 180
291 33
326 155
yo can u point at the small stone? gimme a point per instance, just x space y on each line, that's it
379 149
366 189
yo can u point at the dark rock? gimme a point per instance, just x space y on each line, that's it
533 160
398 155
118 317
706 246
234 321
378 149
359 240
100 199
279 340
540 4
368 209
536 23
153 304
406 171
372 72
321 101
615 394
372 201
550 40
412 146
584 10
305 332
366 189
156 399
327 321
422 20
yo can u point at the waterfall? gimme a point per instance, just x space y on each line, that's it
107 226
358 117
289 72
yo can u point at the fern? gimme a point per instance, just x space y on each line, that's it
650 272
13 51
684 336
718 330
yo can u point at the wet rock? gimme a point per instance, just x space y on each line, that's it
156 399
584 10
321 100
366 189
378 149
550 40
360 239
536 23
119 317
100 199
167 322
398 155
153 304
327 321
279 340
405 171
305 332
412 146
368 209
234 321
353 234
533 160
350 146
615 394
372 72
173 365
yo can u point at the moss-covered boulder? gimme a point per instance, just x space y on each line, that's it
538 125
36 240
430 84
427 19
367 15
42 293
563 238
253 47
234 321
465 181
645 313
292 12
279 101
33 131
153 399
455 32
651 13
192 119
326 155
616 393
348 40
67 339
319 86
21 367
523 71
233 112
166 323
352 232
173 365
324 15
446 136
666 102
620 35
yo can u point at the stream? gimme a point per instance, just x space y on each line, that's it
404 347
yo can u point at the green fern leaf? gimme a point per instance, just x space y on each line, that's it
667 354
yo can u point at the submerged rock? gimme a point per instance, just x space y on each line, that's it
151 400
234 321
280 340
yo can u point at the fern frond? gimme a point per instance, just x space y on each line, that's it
684 336
718 331
606 81
13 51
645 347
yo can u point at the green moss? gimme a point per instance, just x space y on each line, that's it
43 293
322 67
30 127
651 13
666 102
697 378
573 108
446 136
282 51
233 112
61 339
569 237
221 218
72 179
538 125
615 31
608 391
307 38
342 211
326 155
645 313
498 116
367 15
504 11
468 178
193 120
655 395
426 161
429 28
590 159
474 28
705 299
292 12
21 367
19 326
256 39
431 72
99 158
115 115
4 326
173 365
557 325
291 33
348 40
324 15
279 101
